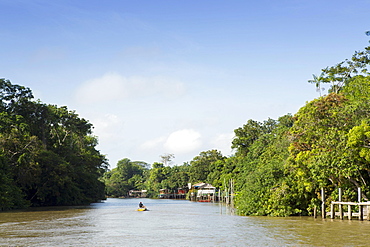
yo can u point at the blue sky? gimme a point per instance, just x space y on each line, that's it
159 77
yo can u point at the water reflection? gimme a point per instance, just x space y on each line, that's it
170 222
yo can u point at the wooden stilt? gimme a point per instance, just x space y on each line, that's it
332 212
359 194
349 212
340 205
323 212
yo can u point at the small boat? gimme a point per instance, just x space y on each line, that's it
142 209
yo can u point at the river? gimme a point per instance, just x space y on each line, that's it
115 222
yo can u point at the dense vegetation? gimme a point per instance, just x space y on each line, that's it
47 153
280 166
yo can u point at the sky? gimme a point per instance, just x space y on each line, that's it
159 77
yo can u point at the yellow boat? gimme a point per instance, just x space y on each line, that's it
142 209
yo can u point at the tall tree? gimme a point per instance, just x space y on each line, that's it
320 154
167 159
48 151
318 80
201 165
249 133
261 171
339 74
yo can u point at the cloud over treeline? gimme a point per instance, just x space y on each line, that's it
112 86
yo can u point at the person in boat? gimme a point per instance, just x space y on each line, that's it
141 205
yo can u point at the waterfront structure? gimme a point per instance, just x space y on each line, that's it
179 193
203 192
137 193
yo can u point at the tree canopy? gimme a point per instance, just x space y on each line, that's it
47 153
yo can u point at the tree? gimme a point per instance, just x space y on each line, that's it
261 171
201 165
339 74
249 133
11 196
48 151
319 153
128 175
318 80
13 96
157 174
167 159
176 177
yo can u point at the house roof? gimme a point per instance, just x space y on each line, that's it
203 186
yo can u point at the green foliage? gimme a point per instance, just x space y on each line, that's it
359 142
177 177
339 74
203 164
166 177
326 147
128 175
357 89
48 153
133 175
11 196
262 170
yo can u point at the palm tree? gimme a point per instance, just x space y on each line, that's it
318 80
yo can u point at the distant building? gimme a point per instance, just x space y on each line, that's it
137 193
179 193
203 192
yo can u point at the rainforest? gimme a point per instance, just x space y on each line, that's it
48 154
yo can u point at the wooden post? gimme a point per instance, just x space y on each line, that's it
340 205
323 213
230 189
232 193
360 212
332 214
315 212
360 207
226 193
359 194
349 212
368 212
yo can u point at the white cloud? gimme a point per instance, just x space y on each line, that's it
183 141
153 143
106 126
113 86
178 142
108 87
222 142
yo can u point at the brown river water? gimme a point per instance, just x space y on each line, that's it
115 222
